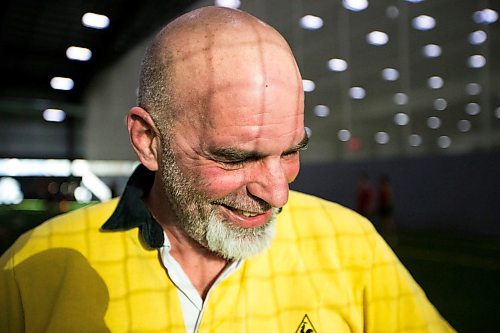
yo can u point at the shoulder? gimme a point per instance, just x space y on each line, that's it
89 217
325 229
70 230
315 211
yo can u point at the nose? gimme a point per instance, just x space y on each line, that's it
269 182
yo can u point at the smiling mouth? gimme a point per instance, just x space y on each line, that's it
245 213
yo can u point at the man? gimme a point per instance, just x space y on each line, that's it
203 239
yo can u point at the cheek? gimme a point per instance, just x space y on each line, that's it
291 169
217 183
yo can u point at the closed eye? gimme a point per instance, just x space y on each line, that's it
302 145
233 158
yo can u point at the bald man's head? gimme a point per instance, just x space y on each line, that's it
205 51
224 91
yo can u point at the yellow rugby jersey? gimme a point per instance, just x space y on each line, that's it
326 271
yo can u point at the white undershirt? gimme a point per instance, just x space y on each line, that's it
192 304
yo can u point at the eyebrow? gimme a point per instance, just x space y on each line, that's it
234 154
299 146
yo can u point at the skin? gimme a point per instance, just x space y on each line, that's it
236 134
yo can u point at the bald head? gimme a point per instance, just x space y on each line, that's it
225 94
207 52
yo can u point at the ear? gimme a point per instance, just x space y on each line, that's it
144 137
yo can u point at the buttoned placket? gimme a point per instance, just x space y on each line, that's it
192 305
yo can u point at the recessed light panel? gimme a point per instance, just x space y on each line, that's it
337 65
78 53
424 22
431 51
377 38
54 115
344 135
228 3
355 5
308 85
357 93
62 83
95 21
311 22
390 74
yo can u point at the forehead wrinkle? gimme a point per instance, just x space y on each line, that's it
293 138
254 126
209 44
212 58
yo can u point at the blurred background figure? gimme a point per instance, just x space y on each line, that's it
364 196
385 205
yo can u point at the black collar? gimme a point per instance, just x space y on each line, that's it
132 212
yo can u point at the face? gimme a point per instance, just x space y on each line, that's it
227 168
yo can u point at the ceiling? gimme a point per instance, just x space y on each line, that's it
460 114
34 36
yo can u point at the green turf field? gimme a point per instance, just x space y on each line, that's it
460 275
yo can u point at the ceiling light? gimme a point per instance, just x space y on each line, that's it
228 3
476 61
400 98
96 21
309 131
415 140
355 5
382 138
62 83
344 135
401 119
473 88
485 16
321 110
477 37
464 125
472 109
433 122
308 85
414 1
10 191
444 141
54 115
377 38
390 74
78 53
357 93
440 104
392 12
431 51
311 22
424 22
435 82
82 194
337 65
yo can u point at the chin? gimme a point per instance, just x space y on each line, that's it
234 243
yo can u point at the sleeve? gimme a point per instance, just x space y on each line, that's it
394 301
11 310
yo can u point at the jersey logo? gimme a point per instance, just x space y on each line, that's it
306 326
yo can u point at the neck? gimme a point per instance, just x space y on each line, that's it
200 265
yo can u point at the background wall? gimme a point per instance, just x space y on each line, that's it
456 193
108 101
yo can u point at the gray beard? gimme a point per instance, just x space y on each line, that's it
197 216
